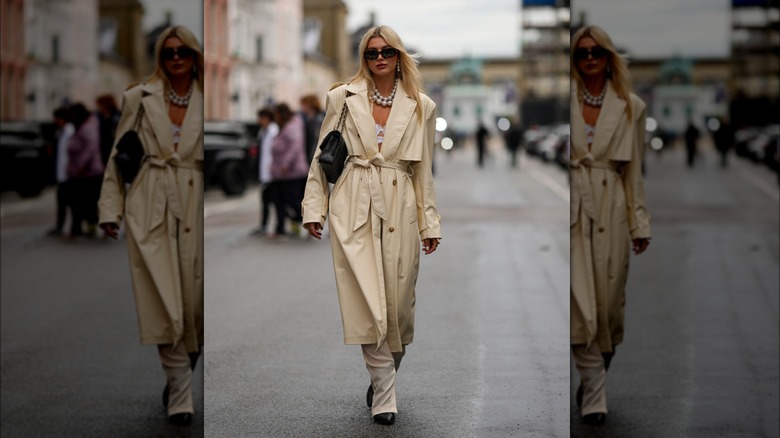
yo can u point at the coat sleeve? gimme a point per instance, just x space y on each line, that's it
315 199
112 194
428 219
638 217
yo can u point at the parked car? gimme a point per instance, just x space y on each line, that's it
230 156
27 157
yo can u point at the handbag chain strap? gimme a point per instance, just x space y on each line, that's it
341 122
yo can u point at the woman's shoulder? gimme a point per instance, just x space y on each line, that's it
338 89
637 104
133 94
428 104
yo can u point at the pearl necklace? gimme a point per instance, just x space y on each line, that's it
382 100
179 100
594 100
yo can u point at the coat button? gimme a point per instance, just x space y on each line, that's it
190 182
392 229
604 182
187 229
601 229
395 182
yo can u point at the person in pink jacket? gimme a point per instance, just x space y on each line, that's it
85 169
289 167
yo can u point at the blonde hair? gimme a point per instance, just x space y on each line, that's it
616 67
409 75
188 39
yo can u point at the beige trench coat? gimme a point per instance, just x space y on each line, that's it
163 214
607 211
380 208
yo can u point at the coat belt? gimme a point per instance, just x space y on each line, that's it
582 195
170 190
371 194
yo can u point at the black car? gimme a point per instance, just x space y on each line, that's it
27 154
230 156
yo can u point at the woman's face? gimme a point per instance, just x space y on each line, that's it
177 58
381 66
591 58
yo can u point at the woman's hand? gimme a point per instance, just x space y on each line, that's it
640 245
111 229
430 245
314 228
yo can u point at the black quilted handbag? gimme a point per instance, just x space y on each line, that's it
333 150
130 151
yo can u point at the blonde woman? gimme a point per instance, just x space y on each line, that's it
608 214
381 208
163 211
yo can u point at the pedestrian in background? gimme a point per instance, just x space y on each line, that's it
691 139
268 192
514 139
607 208
724 140
163 211
312 118
381 207
289 167
85 170
481 135
108 114
65 131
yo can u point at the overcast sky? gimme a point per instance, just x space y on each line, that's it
446 28
658 28
187 13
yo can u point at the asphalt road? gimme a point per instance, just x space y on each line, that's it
72 364
491 352
702 345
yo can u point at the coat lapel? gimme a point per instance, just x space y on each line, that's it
156 112
612 111
400 114
192 127
360 112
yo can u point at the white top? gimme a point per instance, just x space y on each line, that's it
176 133
266 141
589 132
380 134
62 151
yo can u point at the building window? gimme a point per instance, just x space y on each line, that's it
259 48
55 49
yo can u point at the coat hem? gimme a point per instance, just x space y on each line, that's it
366 340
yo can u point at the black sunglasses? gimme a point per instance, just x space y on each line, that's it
597 52
184 52
387 52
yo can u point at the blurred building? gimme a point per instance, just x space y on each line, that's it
254 56
13 60
217 60
62 51
470 90
122 46
545 38
679 89
251 37
328 57
755 55
286 54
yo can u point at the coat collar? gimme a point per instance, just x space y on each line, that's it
360 111
612 111
156 109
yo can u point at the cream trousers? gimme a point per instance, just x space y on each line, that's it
382 366
176 363
590 365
